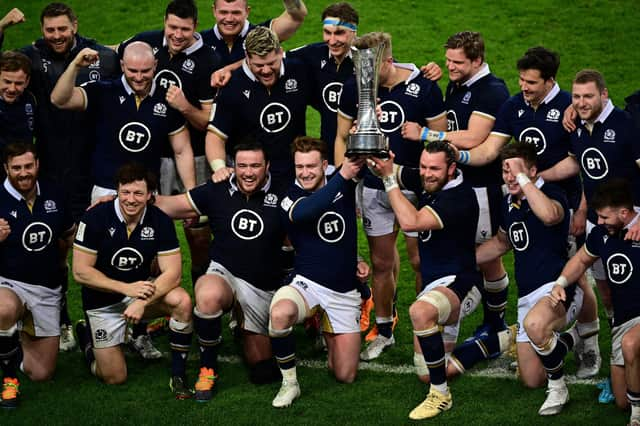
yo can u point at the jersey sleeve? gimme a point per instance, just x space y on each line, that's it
176 121
450 210
595 241
204 90
89 233
502 126
199 198
167 240
434 103
92 92
491 101
409 178
221 118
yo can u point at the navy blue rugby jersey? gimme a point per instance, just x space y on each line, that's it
542 127
102 232
323 230
417 99
17 120
247 231
189 70
540 251
452 249
482 94
621 261
275 117
234 53
328 77
125 132
30 252
612 150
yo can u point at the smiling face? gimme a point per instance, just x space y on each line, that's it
338 39
22 172
251 170
138 70
59 33
179 33
310 169
12 85
434 171
133 198
460 67
266 68
588 101
534 88
230 16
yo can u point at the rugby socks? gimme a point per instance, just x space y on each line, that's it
86 346
363 289
65 319
139 329
180 334
494 300
432 346
10 351
552 354
588 332
472 352
385 326
634 401
283 343
209 331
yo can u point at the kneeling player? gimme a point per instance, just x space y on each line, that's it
536 224
613 202
33 220
112 255
320 220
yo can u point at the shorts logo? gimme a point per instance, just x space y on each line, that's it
275 117
366 222
147 233
535 136
619 268
519 236
50 206
331 227
466 98
609 136
127 259
391 116
160 109
94 75
6 284
412 90
134 136
452 121
100 335
424 236
36 236
594 164
331 96
291 85
188 66
553 115
247 225
271 200
166 78
28 108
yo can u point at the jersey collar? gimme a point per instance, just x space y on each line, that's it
247 70
538 183
608 108
129 90
243 33
633 221
116 205
197 44
457 180
552 94
482 72
14 192
407 66
233 186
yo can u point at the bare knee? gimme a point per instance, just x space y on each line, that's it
535 329
345 375
630 347
39 374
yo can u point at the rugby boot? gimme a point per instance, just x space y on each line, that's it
10 392
434 404
557 397
204 385
289 392
179 387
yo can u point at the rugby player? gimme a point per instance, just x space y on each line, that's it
405 95
613 202
535 225
446 220
113 251
473 98
65 139
228 35
244 218
320 216
34 217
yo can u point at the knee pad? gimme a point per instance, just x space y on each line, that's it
10 331
199 314
440 302
497 285
420 364
180 327
290 293
588 329
264 372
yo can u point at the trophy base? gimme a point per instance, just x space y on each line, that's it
367 144
378 153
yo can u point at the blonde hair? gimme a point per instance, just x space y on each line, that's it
261 41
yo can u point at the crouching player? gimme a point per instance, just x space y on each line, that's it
613 203
535 224
320 217
112 254
33 220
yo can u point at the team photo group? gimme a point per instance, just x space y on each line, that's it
107 148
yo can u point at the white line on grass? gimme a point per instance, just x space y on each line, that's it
497 369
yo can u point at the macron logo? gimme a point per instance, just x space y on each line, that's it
246 93
122 100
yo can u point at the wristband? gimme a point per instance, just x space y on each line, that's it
562 281
465 157
522 179
390 182
431 135
217 164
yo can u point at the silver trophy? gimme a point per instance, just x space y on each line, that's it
368 138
